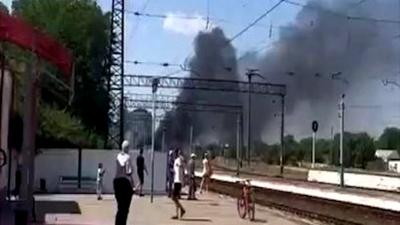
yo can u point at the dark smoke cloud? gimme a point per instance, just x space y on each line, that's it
317 45
308 52
215 59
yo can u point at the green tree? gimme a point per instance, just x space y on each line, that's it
322 150
390 139
304 151
3 7
83 28
364 150
259 148
271 154
358 149
58 128
291 147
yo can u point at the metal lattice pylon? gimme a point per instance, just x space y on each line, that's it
116 71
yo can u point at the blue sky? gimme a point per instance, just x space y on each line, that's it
170 40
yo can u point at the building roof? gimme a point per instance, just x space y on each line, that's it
387 154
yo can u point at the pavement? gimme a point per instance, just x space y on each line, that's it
209 209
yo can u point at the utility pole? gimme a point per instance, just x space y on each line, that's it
282 153
341 117
314 136
332 144
241 139
250 73
313 150
29 131
191 139
115 82
238 144
163 139
155 83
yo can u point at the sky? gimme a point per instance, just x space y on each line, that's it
171 39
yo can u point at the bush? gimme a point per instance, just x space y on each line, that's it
58 128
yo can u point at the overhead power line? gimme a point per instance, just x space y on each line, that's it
244 30
142 10
163 64
373 20
338 14
359 3
313 7
164 16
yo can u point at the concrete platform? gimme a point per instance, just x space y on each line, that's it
209 209
370 198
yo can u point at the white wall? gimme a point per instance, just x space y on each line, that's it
53 163
379 182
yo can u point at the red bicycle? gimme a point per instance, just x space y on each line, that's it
245 203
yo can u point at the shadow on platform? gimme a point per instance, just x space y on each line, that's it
196 220
259 221
55 207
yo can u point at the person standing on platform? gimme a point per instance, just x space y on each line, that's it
100 174
191 173
123 184
141 168
206 175
178 181
170 172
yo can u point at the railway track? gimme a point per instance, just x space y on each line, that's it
328 211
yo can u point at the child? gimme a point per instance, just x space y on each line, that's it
100 174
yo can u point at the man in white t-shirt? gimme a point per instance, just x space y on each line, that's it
123 184
178 181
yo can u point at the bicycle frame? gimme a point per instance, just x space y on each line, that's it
246 204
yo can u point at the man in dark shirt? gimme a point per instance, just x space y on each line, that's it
141 168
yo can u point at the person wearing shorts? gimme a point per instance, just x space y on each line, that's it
170 172
141 168
178 181
207 171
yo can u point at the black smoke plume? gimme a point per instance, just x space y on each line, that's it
213 58
322 54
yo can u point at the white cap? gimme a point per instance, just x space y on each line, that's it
192 155
125 145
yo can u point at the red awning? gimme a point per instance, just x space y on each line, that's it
18 32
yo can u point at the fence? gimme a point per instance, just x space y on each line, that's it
51 164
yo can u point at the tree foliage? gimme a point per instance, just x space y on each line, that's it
390 139
84 29
59 126
359 149
3 7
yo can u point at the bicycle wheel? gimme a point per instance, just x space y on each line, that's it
241 207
